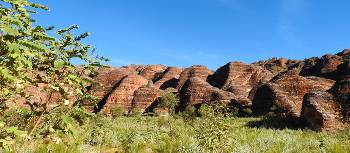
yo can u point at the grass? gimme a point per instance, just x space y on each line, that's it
157 134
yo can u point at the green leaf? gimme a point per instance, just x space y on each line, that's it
58 64
10 30
2 124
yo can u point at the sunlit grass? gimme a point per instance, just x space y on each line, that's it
154 134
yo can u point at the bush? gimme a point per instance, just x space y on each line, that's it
136 112
168 100
117 112
189 114
246 112
205 110
218 109
212 133
17 117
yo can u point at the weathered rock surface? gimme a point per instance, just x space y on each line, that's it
36 95
151 72
329 66
291 88
240 79
40 96
144 97
341 92
199 71
169 79
107 79
286 92
123 94
197 91
278 65
321 111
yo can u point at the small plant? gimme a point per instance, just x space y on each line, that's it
247 112
169 101
218 108
117 112
205 110
189 114
311 61
213 129
136 112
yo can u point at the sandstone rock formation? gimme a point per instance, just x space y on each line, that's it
240 79
144 97
329 66
321 111
107 79
197 91
291 88
35 95
326 67
123 94
278 65
286 92
341 92
199 71
151 72
169 79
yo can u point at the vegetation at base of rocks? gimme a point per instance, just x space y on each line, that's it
117 112
217 108
168 100
79 131
136 112
32 58
222 109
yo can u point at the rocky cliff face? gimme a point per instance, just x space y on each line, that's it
334 67
107 79
241 80
144 97
197 91
321 111
286 92
169 79
316 90
123 94
199 71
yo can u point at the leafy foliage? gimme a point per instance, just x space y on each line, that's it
218 109
168 100
29 56
117 112
156 134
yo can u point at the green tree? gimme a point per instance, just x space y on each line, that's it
29 57
169 100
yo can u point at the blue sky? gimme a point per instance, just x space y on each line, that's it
208 32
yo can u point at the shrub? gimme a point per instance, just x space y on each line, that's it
218 109
136 112
246 112
117 112
189 114
17 117
205 110
30 58
168 100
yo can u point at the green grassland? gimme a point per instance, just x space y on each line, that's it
188 135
